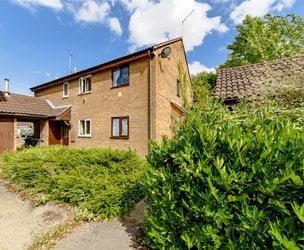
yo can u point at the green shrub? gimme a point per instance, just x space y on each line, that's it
228 181
103 182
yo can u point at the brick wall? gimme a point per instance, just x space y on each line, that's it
105 102
166 75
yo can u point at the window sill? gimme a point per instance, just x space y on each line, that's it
85 93
84 136
65 97
120 137
120 86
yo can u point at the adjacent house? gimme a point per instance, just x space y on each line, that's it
17 109
254 81
122 103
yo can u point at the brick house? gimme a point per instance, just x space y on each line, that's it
122 103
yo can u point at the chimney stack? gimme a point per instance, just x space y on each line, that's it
6 87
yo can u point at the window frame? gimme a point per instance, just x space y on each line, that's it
120 75
120 136
83 82
63 90
85 128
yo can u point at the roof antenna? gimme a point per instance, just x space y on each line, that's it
168 35
185 20
70 61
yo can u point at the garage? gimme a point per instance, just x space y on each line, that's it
7 135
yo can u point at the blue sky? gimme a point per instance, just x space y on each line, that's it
38 35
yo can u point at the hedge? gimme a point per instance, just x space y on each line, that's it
100 182
228 180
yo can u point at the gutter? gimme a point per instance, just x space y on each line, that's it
232 100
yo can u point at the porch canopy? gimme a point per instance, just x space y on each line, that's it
31 108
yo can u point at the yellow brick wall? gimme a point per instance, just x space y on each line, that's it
166 75
105 102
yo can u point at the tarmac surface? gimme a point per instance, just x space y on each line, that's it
21 224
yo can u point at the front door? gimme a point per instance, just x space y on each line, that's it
55 132
58 133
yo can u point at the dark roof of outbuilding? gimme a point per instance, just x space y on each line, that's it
241 82
29 106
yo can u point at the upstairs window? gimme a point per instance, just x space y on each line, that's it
85 84
178 88
120 76
65 90
120 127
84 128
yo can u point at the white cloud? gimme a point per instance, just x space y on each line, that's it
196 67
54 4
135 4
258 8
151 21
283 4
92 11
115 25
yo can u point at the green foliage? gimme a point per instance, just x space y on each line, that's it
228 181
183 81
265 39
100 182
202 86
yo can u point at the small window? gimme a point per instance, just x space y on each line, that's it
120 127
178 88
120 76
84 128
65 90
85 84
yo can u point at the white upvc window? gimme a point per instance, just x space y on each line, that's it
84 128
65 90
85 84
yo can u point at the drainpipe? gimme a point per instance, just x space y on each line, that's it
151 54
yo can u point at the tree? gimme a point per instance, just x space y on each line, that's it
265 39
202 86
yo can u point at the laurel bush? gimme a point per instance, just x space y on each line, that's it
228 181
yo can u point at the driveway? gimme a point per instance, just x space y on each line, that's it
21 224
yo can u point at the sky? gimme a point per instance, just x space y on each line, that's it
41 40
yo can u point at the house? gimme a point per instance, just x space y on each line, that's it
122 103
254 81
17 109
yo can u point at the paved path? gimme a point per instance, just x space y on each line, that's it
100 236
21 224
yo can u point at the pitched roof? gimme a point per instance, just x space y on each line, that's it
125 59
242 82
27 106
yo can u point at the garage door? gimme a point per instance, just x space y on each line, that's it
6 134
